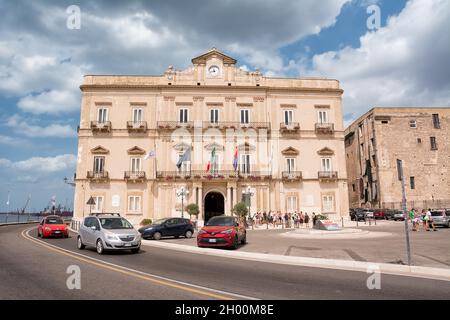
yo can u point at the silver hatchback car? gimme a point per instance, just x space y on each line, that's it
108 232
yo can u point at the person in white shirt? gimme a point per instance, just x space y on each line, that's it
430 220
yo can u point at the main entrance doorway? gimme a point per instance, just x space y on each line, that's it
214 205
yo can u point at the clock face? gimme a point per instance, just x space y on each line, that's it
214 70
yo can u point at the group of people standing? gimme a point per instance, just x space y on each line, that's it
287 220
424 218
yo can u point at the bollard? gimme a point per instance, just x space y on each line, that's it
342 220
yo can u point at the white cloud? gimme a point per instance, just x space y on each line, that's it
54 101
22 127
40 165
13 141
405 63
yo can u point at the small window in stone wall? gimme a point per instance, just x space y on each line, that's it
419 140
412 183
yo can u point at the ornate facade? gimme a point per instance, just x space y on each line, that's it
287 134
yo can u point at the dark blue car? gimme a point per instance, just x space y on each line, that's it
168 227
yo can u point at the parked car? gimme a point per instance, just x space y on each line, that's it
108 231
379 213
361 214
53 226
390 213
441 217
168 227
398 215
222 231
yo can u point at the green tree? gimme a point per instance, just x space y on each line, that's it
192 209
241 210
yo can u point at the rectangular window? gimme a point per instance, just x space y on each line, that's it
288 117
291 204
413 123
412 183
102 115
99 164
137 115
290 165
214 116
322 116
436 123
326 164
433 143
244 116
353 187
328 203
134 204
183 115
245 163
135 164
98 206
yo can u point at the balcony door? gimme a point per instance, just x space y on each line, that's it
290 165
135 165
102 115
245 116
214 116
326 165
288 117
322 117
137 115
245 163
183 115
99 164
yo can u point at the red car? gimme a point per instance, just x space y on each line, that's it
222 231
379 214
53 226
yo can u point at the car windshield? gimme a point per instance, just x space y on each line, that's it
160 221
221 221
115 223
54 221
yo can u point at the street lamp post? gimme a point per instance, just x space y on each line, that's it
248 193
182 193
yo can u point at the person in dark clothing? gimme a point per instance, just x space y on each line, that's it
307 219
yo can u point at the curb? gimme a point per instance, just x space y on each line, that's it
347 265
17 223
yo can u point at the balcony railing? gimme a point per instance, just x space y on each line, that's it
289 127
135 176
137 126
291 175
327 175
98 176
104 126
325 128
171 125
216 175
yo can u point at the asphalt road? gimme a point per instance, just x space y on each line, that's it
32 268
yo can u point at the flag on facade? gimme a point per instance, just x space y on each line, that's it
185 157
235 159
213 160
150 154
208 166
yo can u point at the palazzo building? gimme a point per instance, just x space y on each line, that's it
232 132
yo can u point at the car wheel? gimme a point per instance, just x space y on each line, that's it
157 236
80 244
135 250
188 234
448 224
235 243
39 233
99 246
244 240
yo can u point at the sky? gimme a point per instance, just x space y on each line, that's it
401 61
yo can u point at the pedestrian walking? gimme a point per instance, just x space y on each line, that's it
430 221
301 219
306 220
424 220
314 218
412 218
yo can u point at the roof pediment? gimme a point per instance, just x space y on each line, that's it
290 151
136 150
325 152
99 150
213 53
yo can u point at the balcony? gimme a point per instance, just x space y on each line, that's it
327 175
291 127
134 176
98 176
137 126
97 126
324 128
217 175
236 125
172 125
291 175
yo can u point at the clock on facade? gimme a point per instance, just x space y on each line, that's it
214 70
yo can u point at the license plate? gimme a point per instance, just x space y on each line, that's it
212 240
57 231
127 244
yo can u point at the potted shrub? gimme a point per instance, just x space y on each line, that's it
146 221
241 210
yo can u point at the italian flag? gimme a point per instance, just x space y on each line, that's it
212 162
